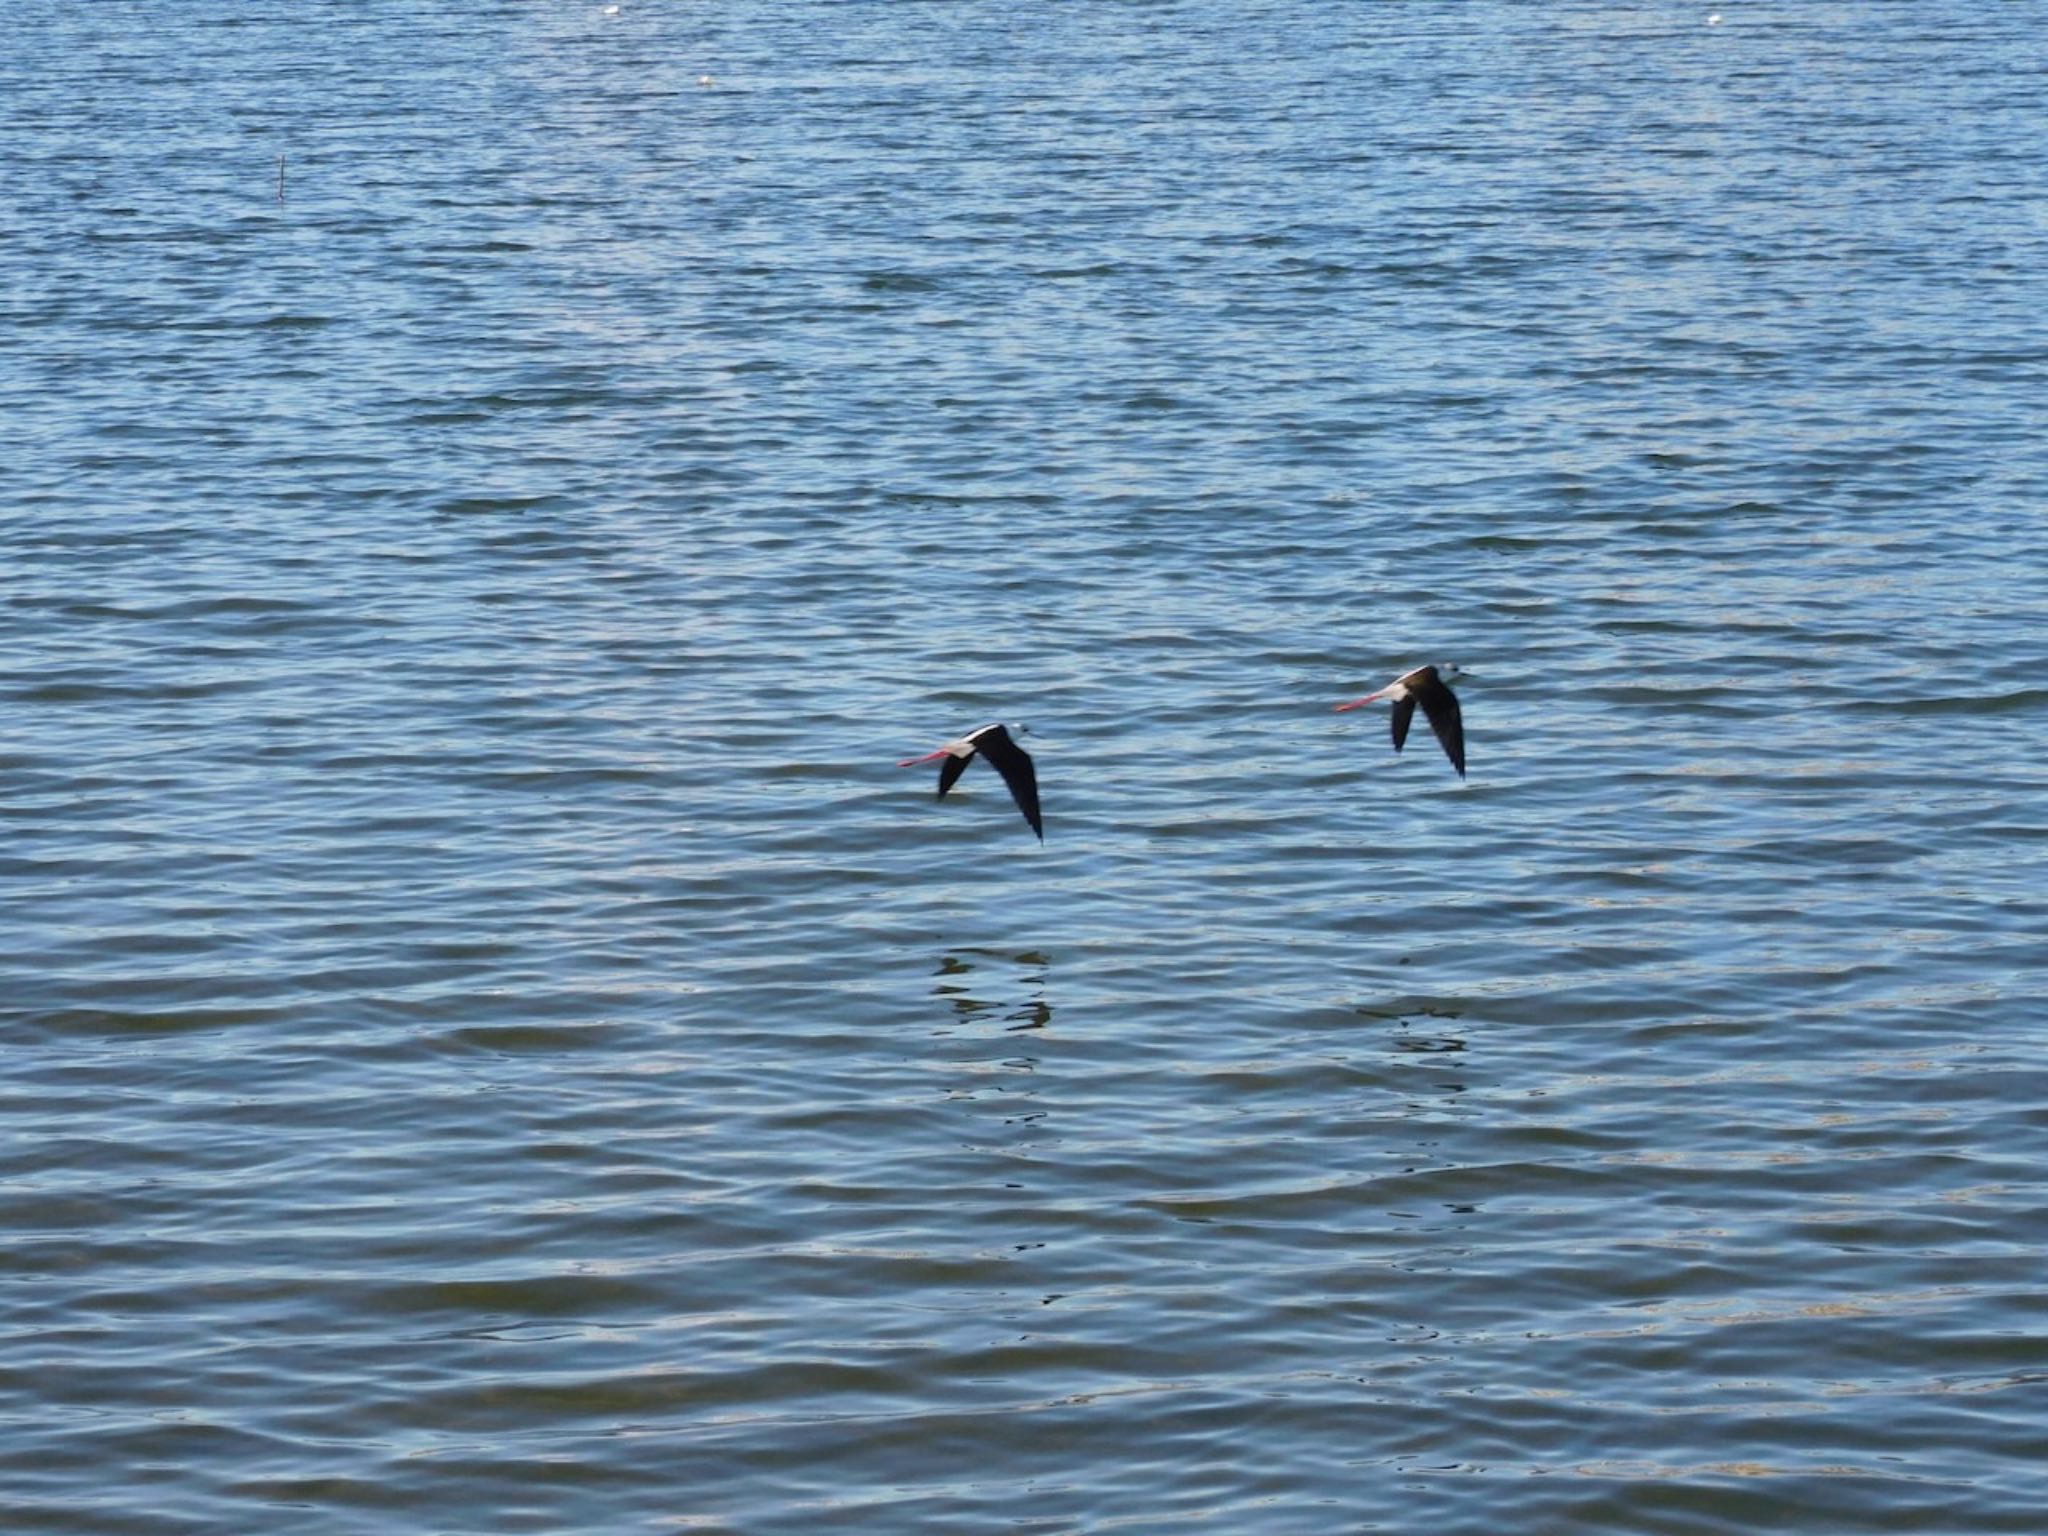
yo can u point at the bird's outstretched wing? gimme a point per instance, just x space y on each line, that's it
1014 764
950 771
1404 711
1445 718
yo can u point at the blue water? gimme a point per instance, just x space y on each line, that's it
494 1044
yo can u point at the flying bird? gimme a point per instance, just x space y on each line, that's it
1004 755
1430 688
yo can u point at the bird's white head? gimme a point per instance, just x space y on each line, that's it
1448 670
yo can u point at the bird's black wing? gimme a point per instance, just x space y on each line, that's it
1014 764
1404 711
950 771
1447 720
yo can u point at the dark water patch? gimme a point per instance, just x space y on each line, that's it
83 692
2018 701
523 1298
900 282
484 506
94 1023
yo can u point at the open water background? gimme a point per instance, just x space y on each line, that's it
493 1044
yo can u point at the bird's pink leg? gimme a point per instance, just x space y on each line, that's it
912 762
1357 703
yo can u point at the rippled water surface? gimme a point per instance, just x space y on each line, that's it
493 1043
